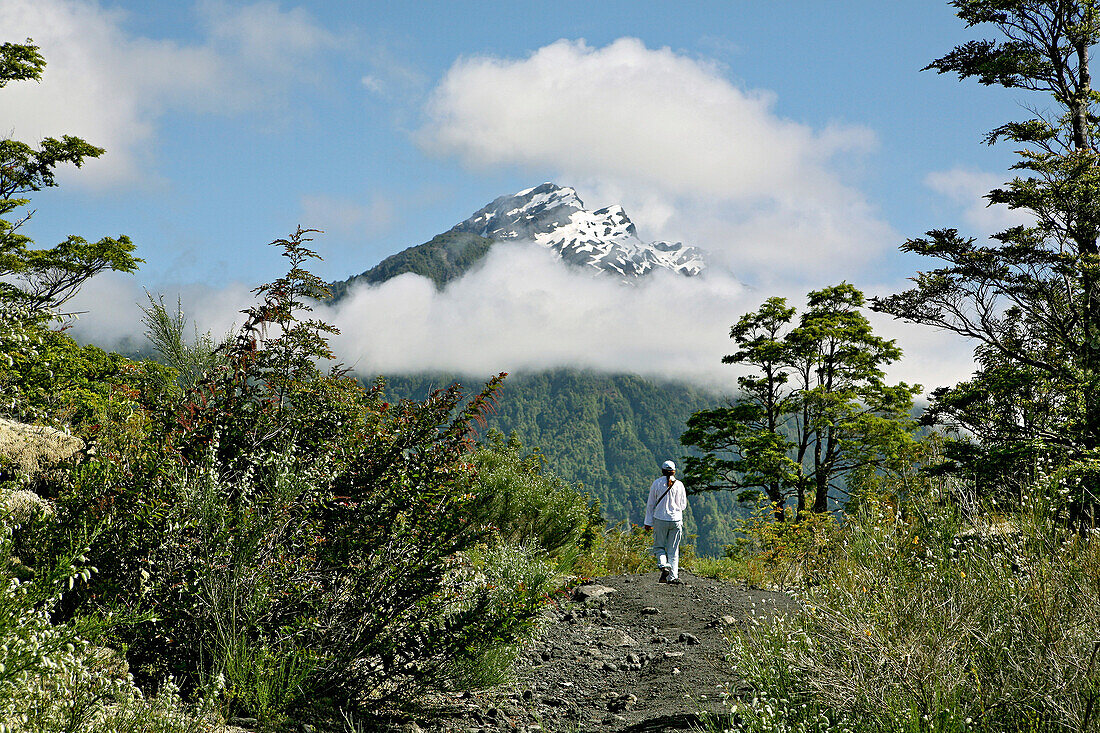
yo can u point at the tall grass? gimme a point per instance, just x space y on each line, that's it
946 618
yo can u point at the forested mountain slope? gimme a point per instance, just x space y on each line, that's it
444 258
607 431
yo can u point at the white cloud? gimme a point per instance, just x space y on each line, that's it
264 35
343 215
696 155
967 188
931 358
522 310
110 306
112 88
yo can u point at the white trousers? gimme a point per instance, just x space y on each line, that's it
666 545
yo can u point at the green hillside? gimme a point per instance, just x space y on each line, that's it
444 258
608 432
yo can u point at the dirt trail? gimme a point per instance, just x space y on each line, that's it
625 653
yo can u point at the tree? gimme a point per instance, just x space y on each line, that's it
43 279
814 409
1031 296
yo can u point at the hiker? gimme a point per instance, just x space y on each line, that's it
664 514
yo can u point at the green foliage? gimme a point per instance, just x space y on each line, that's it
167 334
943 617
619 550
45 376
608 433
519 577
768 553
521 502
1030 297
299 538
815 409
446 257
43 279
53 676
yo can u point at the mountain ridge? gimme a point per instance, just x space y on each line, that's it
605 241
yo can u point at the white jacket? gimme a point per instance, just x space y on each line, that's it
671 507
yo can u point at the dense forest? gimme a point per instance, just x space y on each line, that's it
607 432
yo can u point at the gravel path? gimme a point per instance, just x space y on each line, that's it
624 653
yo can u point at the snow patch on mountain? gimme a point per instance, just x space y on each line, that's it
606 239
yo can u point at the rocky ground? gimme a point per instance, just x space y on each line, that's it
624 653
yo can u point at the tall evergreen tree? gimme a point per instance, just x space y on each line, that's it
815 408
1030 296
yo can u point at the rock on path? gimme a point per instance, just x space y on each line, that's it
607 662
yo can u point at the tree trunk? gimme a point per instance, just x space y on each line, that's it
821 493
779 502
1085 239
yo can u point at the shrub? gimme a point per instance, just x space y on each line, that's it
771 553
937 618
518 577
520 501
306 546
53 675
617 550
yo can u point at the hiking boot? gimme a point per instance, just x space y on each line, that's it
675 581
664 576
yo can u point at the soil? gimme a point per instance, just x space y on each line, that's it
623 653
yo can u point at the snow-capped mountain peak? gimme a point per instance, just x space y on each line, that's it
606 239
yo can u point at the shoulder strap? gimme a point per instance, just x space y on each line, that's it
658 502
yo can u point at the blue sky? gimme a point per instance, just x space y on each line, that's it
797 141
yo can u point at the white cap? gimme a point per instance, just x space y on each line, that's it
668 464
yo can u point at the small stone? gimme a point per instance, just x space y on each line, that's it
589 592
689 639
619 638
728 621
673 655
650 611
622 703
611 666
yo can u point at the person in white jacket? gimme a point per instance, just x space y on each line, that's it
664 514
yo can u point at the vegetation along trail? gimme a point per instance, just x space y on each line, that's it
240 535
